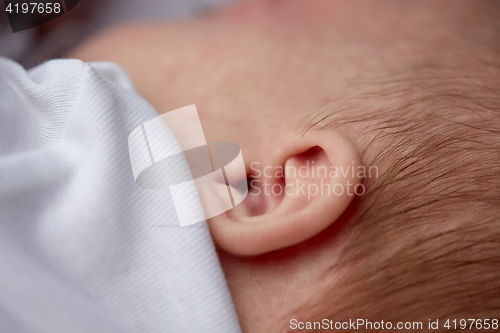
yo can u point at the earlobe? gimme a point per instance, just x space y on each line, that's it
317 182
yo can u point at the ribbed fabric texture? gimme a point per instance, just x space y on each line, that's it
82 247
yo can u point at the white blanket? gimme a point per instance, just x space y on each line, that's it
82 248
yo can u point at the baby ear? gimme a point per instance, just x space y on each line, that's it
300 191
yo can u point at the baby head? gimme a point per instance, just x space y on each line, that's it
395 105
422 243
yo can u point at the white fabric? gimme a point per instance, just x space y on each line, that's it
82 248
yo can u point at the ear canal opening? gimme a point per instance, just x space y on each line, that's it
269 185
265 190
